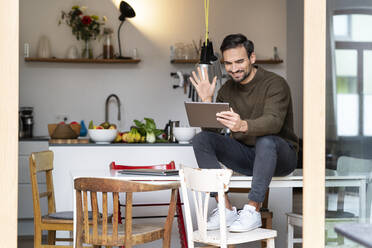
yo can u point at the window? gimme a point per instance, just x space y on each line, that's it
353 68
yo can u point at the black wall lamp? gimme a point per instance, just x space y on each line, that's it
126 11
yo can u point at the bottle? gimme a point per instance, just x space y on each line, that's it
108 48
83 129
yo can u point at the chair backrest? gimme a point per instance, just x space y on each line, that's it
100 187
42 162
201 182
353 166
170 166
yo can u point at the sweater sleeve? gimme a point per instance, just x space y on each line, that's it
274 111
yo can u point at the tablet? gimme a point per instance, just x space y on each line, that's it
203 114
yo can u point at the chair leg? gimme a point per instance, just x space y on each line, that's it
51 237
180 222
271 243
290 234
37 237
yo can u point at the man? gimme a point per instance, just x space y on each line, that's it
263 143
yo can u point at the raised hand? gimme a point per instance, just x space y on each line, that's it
202 85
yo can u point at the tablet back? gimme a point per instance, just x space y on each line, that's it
203 114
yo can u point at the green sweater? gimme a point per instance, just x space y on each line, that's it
265 103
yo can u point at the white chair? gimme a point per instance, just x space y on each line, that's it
200 182
345 166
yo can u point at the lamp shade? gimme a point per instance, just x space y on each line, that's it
126 11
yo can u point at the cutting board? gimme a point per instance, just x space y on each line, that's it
68 141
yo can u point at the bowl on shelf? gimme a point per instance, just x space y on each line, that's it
102 136
184 134
63 131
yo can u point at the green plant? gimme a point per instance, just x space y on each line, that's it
84 27
149 129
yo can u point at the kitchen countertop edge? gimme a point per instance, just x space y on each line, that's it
123 144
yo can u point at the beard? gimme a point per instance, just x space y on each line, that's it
245 76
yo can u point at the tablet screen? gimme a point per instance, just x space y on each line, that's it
203 114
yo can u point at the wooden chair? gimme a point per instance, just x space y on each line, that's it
200 182
114 234
43 162
180 220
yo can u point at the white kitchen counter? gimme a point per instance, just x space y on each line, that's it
72 157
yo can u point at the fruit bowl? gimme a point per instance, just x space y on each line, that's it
184 134
63 131
102 136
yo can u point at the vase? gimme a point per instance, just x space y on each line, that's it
87 52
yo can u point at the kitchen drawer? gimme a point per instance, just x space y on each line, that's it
27 147
25 203
24 171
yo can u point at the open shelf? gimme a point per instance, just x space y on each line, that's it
91 61
194 61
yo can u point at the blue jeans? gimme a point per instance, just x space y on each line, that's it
271 156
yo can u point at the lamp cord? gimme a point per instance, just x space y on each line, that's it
206 15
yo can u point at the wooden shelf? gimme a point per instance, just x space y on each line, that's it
91 61
194 61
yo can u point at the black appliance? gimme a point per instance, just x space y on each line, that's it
26 122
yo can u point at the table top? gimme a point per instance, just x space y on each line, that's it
293 180
357 232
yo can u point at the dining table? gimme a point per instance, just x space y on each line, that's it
294 180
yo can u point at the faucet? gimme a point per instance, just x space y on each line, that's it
107 105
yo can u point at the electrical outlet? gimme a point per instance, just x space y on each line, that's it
61 117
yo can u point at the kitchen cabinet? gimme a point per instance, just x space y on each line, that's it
25 203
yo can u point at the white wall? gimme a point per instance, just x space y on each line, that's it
295 40
145 89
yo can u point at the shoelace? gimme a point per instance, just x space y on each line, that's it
242 213
214 212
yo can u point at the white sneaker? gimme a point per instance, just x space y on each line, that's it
214 219
248 220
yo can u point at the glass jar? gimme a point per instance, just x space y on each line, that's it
108 48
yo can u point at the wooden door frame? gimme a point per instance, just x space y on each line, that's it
9 27
314 122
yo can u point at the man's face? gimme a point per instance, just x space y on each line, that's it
237 63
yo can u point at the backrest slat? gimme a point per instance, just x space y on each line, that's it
93 196
115 218
86 217
104 217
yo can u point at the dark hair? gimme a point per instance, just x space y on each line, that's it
236 40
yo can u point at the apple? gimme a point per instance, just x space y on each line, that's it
74 123
62 123
99 127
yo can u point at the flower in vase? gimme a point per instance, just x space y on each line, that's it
84 27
